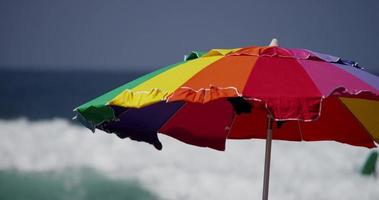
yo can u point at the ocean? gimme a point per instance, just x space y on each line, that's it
46 155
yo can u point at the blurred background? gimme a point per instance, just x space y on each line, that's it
56 55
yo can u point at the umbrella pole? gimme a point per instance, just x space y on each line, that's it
267 158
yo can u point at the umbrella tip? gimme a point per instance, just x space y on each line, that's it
274 43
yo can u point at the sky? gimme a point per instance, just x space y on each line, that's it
141 34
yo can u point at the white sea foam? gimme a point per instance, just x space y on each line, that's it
319 170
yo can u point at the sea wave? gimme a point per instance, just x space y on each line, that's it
318 170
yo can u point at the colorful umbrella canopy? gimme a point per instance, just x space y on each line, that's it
228 93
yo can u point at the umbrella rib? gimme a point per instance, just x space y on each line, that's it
360 123
172 116
231 125
301 132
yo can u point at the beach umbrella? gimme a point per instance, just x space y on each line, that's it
267 92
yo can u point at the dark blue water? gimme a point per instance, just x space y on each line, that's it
46 94
70 184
